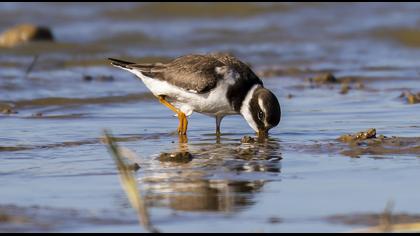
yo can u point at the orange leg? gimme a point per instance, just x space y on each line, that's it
183 122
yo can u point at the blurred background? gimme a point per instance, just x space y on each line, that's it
346 38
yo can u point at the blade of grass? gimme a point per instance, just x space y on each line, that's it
129 183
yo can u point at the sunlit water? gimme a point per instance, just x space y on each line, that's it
55 159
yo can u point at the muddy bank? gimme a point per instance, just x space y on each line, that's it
182 10
15 219
366 142
409 37
372 219
384 146
6 106
70 144
363 143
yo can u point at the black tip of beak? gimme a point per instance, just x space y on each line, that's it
262 133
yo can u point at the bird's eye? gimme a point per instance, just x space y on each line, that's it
260 115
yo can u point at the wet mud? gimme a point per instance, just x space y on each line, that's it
365 143
15 218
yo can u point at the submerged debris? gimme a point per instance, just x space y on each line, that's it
275 220
248 139
178 157
323 79
24 33
370 133
100 78
38 114
412 98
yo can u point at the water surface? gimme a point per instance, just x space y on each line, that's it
59 176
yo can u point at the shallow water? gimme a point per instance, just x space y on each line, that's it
56 172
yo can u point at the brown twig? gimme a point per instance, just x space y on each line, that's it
32 65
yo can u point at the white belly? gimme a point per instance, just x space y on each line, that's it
212 103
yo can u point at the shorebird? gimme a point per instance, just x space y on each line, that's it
215 84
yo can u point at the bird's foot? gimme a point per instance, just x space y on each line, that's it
183 124
182 138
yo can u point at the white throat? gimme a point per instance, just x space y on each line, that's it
246 110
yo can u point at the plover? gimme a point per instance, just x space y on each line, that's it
215 84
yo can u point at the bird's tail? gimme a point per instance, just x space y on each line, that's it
144 68
122 64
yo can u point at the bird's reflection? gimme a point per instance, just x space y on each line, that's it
221 177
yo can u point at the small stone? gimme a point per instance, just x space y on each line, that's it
178 157
24 33
248 139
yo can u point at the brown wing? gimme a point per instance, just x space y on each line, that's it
191 72
198 72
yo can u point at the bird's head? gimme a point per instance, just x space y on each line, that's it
261 110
